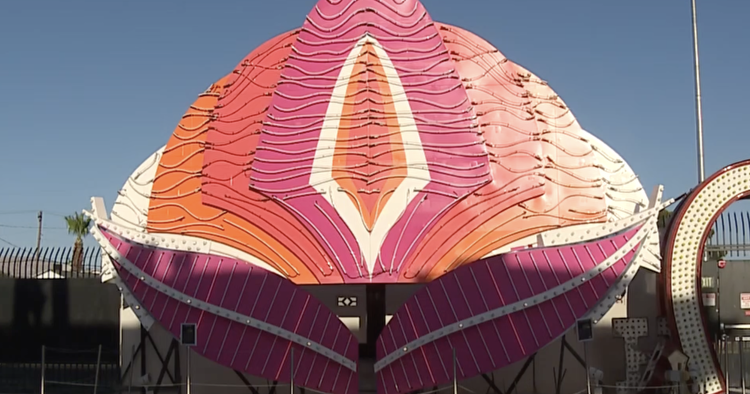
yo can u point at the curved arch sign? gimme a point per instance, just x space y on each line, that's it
683 251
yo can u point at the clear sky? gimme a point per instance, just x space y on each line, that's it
91 88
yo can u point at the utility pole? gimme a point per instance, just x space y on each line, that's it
39 234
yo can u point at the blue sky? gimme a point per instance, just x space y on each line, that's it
91 88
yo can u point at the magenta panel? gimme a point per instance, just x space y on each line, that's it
487 285
246 289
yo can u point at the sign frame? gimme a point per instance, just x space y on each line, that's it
744 301
585 330
189 334
709 299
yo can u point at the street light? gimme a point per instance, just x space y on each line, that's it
698 109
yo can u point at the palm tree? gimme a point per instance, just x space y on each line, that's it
665 216
78 225
663 220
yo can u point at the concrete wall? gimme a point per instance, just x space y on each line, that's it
605 352
58 313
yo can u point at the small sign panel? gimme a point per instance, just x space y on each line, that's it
744 300
585 330
709 299
188 335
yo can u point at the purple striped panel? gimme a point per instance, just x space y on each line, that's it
487 285
251 291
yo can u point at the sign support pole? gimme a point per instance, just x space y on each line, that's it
291 369
585 332
98 367
189 378
188 338
43 354
586 365
455 375
132 368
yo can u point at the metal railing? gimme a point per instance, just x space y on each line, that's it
50 263
734 357
59 373
731 235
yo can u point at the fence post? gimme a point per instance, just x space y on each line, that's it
742 364
43 351
725 339
98 366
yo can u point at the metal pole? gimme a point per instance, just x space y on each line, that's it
132 367
698 107
39 231
455 375
726 361
742 365
586 364
718 303
38 235
98 365
43 351
189 378
291 371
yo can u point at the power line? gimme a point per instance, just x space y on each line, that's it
9 243
62 215
17 212
32 227
40 227
22 212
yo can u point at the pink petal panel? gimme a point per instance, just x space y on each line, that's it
487 285
251 291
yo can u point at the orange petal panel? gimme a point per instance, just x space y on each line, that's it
176 206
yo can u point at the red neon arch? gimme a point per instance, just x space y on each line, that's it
711 197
